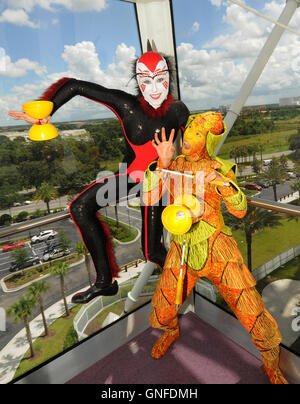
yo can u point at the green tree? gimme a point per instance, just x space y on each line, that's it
256 219
295 144
64 241
46 193
261 147
274 174
60 269
22 310
283 160
256 165
36 291
20 256
253 148
5 219
296 188
117 216
22 216
82 251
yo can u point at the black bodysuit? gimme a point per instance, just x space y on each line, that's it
139 121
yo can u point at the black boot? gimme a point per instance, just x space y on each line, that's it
94 291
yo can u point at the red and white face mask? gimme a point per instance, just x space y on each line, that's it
153 78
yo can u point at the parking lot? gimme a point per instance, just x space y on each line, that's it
34 250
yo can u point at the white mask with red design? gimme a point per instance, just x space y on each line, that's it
153 78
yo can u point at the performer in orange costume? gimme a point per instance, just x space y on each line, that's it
211 251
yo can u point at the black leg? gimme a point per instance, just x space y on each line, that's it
84 214
152 230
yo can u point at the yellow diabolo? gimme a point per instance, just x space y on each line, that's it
177 218
40 110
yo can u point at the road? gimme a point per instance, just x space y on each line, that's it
61 202
282 191
77 278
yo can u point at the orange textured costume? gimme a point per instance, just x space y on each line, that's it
211 250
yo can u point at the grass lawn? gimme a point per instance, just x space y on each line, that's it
123 233
270 242
28 275
273 142
48 347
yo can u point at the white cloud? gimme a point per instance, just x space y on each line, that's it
83 63
213 75
209 77
195 27
19 68
18 11
74 5
217 3
17 17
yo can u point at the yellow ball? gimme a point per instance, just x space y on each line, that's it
41 133
38 109
177 219
191 202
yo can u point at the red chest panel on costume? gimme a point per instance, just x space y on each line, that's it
145 154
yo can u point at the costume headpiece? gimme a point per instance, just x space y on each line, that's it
212 125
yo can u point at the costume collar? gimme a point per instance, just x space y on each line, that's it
159 112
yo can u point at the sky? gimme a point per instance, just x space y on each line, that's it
217 42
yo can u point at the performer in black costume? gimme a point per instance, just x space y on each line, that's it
140 116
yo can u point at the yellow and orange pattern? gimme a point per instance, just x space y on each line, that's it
212 252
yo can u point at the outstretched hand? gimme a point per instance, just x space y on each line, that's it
165 148
17 115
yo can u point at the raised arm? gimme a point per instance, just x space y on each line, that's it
114 99
156 182
234 199
65 89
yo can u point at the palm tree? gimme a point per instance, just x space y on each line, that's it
46 193
20 256
82 251
60 269
261 147
117 215
234 154
36 291
22 310
296 188
256 219
274 174
253 148
64 241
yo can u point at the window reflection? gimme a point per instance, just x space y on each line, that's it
38 179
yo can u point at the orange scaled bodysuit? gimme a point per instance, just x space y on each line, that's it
211 250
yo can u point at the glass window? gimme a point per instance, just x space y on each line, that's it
216 46
97 42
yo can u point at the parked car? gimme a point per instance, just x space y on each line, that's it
54 254
43 236
267 162
30 262
263 184
50 247
292 175
27 202
11 246
17 204
253 186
